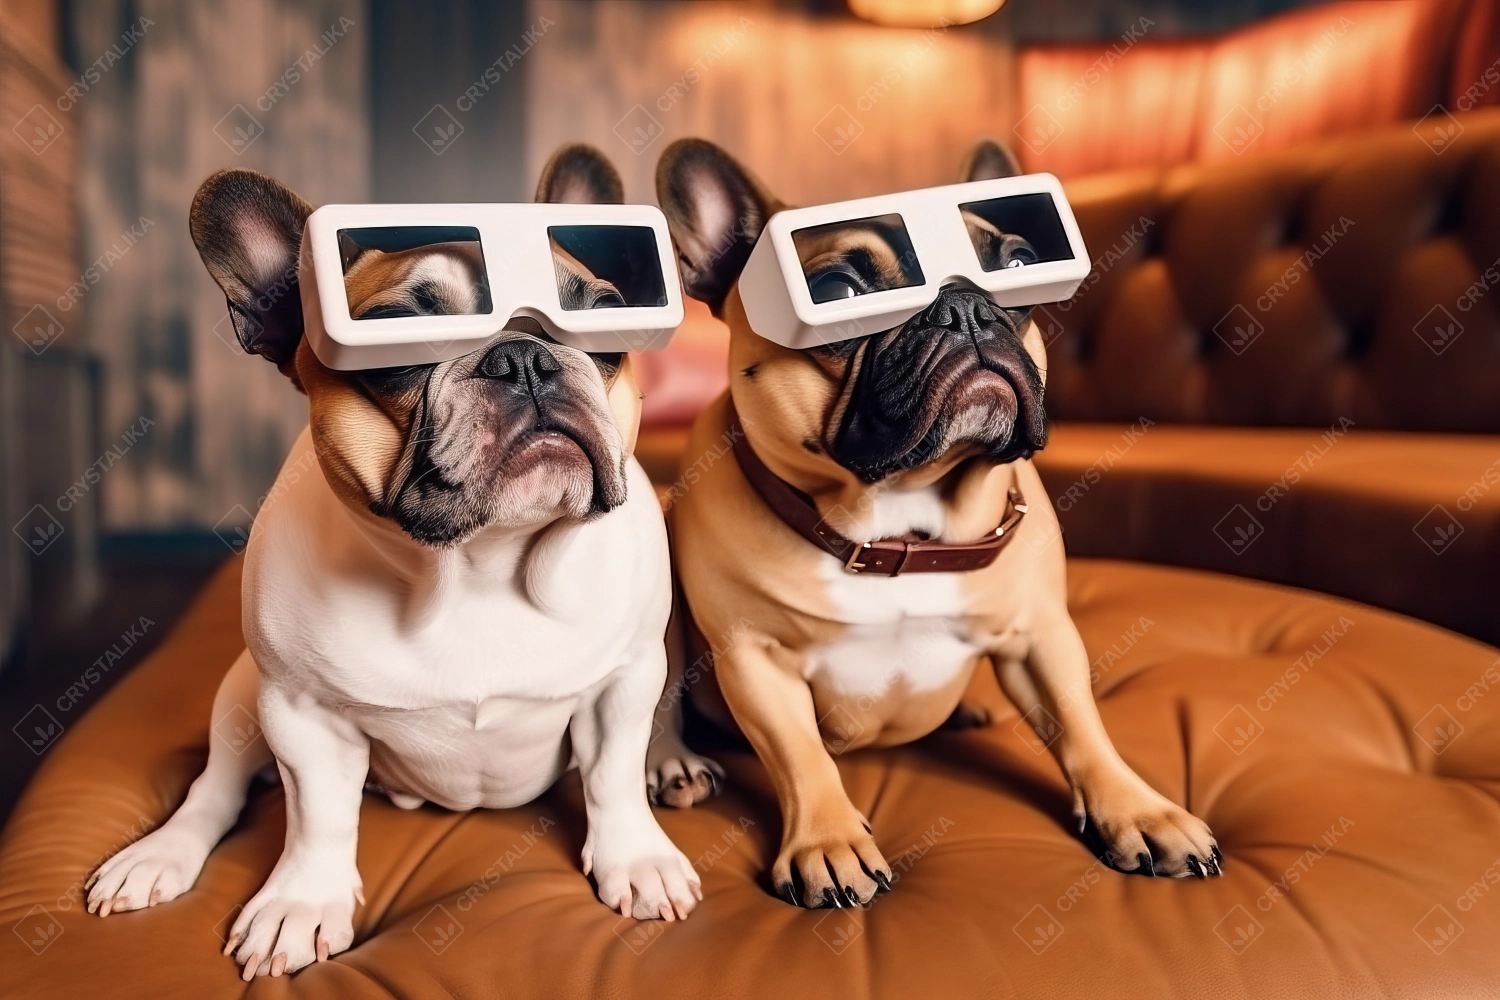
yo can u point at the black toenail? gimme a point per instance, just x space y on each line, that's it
831 899
1195 866
883 881
851 895
1143 864
1218 856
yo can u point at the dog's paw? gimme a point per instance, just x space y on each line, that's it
831 863
1137 830
303 914
160 866
677 777
648 881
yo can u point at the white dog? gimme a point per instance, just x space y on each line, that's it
458 589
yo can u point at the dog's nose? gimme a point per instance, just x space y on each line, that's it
528 365
961 307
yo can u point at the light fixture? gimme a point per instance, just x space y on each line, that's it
923 13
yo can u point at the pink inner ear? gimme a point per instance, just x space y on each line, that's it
265 249
574 191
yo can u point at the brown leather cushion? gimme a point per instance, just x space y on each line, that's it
1374 836
1399 236
1404 521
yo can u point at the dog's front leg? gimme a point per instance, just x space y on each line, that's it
637 868
825 842
305 910
675 776
1142 830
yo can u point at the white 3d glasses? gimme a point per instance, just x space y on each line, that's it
834 272
389 285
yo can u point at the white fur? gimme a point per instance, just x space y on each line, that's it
902 631
460 676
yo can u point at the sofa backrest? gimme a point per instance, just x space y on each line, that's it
1307 74
1355 278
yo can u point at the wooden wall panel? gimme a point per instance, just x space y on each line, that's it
768 85
223 421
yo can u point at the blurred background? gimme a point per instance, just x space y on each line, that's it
136 439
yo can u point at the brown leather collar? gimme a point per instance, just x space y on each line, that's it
883 557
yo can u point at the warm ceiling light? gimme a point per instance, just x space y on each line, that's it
923 13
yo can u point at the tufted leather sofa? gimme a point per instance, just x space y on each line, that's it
1289 368
1348 760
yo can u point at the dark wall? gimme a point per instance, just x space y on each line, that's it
425 56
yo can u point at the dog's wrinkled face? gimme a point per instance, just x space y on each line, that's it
962 379
519 433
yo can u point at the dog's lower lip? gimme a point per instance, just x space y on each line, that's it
546 439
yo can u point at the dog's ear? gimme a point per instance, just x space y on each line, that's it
248 230
987 161
715 210
579 174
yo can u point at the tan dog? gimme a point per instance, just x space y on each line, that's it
927 429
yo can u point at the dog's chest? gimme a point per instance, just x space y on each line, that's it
905 634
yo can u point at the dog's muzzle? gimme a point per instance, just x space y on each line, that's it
957 373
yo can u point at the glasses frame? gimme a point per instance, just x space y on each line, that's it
519 267
779 305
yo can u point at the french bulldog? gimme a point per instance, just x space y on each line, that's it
457 589
923 432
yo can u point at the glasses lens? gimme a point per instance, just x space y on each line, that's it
1015 231
843 259
606 267
393 271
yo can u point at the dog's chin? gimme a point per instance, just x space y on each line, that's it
546 475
